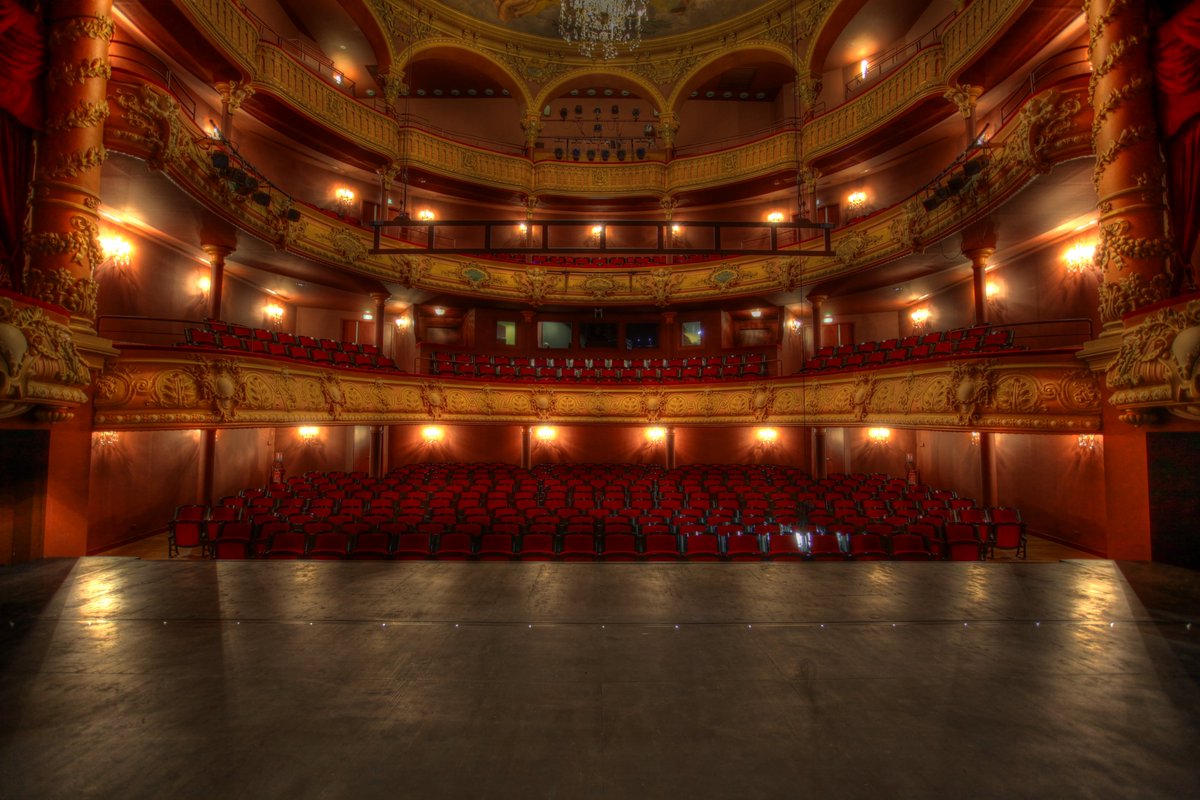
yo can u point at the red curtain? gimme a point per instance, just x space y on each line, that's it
1177 73
22 62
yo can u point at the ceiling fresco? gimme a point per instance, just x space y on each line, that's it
663 17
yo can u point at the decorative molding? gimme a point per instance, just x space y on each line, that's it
76 28
147 388
68 74
71 165
85 115
39 363
1158 365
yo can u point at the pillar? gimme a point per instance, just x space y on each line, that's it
216 276
670 341
63 246
1133 252
208 465
386 176
668 127
531 124
818 468
375 450
526 447
979 259
965 97
527 340
671 447
987 477
233 94
816 301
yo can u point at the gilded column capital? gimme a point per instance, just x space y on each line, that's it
964 97
531 124
668 127
234 93
667 204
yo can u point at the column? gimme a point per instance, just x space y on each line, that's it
1133 253
670 335
375 452
965 97
987 478
979 259
979 244
208 464
233 94
531 124
527 341
818 467
63 246
216 276
526 447
386 176
806 179
670 447
668 127
816 301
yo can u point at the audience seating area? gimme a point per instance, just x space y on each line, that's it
938 344
325 352
583 512
604 370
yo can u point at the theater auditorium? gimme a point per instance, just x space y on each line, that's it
599 398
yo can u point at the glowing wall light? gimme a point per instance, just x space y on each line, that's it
1080 257
879 436
863 66
426 215
343 198
546 433
857 201
767 437
117 250
975 438
103 439
795 325
919 317
1089 442
656 435
274 313
310 435
402 322
775 216
204 284
433 434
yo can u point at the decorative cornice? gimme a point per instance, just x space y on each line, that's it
166 389
39 364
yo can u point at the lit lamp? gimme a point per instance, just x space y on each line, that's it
857 202
204 284
433 434
274 313
975 438
656 436
1080 258
795 325
1088 442
879 436
863 66
402 322
116 250
546 434
310 436
343 198
775 216
767 437
103 439
919 317
426 215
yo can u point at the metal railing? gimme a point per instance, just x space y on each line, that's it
135 329
1058 67
890 59
136 60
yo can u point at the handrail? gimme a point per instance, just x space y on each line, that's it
105 329
1058 63
899 54
740 140
303 52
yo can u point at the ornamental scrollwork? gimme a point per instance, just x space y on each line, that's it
972 387
1164 348
82 28
155 115
434 399
410 269
851 247
334 394
906 229
69 74
788 272
219 382
600 286
861 394
761 401
75 163
542 403
536 284
35 349
1041 121
476 276
86 115
652 403
348 246
660 284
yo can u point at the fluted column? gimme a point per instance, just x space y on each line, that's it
1133 253
64 246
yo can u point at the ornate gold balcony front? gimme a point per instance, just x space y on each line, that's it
165 388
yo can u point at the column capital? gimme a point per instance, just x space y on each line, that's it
234 93
217 253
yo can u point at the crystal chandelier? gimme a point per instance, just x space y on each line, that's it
602 27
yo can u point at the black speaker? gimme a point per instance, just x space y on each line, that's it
293 215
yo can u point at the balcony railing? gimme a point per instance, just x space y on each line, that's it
884 63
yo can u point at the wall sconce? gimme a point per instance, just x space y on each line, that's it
1080 258
522 228
794 326
1089 442
992 291
919 317
676 230
402 322
767 437
103 439
343 198
204 284
863 66
116 250
546 434
974 438
756 313
857 201
878 436
274 313
438 311
656 436
433 434
310 436
775 216
426 215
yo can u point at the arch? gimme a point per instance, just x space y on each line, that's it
480 58
584 76
374 30
722 60
826 32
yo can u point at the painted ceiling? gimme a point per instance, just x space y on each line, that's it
663 17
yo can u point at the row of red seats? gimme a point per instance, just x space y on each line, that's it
226 336
597 262
801 546
596 369
959 342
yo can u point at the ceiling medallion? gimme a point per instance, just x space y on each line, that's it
602 27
